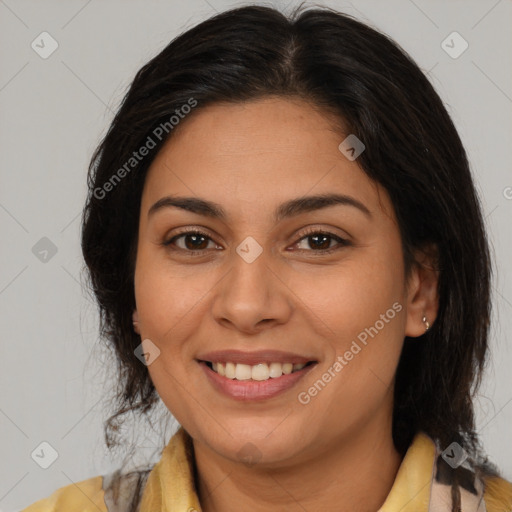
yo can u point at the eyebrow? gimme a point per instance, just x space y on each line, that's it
285 210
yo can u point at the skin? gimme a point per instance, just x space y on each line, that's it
335 452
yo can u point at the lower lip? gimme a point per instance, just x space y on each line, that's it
252 390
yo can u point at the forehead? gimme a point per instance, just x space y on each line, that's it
264 151
263 125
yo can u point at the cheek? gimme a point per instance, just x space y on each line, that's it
360 306
168 296
169 303
355 295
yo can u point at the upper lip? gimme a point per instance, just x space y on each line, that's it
253 358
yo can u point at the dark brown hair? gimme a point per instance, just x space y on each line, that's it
412 149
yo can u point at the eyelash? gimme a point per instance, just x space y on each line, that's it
341 241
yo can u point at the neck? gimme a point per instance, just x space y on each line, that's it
354 473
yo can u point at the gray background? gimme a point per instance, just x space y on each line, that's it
54 377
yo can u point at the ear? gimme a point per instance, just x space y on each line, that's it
135 318
422 296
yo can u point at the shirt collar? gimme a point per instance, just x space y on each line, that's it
411 489
171 484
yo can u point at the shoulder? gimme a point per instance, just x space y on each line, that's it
498 494
84 496
114 492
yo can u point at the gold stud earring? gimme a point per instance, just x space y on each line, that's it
426 322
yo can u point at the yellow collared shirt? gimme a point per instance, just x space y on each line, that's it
169 486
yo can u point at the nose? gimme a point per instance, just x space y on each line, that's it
252 297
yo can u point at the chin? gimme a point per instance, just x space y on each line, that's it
255 441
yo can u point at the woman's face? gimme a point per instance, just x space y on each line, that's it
259 281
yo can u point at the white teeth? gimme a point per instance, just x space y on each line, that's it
230 370
276 370
261 371
287 368
243 372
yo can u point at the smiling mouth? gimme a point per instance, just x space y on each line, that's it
257 372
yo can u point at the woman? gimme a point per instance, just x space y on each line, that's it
286 246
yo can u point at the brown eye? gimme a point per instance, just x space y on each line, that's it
191 241
320 241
